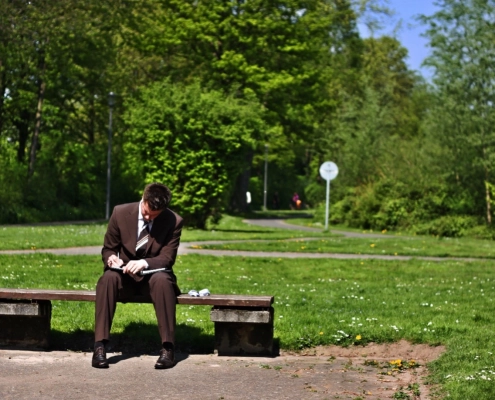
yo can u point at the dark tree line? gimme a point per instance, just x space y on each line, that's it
205 86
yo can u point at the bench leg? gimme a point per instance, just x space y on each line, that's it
25 323
243 332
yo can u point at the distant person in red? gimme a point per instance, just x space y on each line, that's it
296 202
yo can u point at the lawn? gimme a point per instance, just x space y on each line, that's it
26 237
317 302
388 245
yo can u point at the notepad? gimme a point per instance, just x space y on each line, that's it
144 271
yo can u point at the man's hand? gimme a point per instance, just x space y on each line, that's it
135 267
114 261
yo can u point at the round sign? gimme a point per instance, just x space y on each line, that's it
328 170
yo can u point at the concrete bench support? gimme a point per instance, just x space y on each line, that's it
243 332
25 323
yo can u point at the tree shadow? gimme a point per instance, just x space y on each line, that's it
245 231
285 214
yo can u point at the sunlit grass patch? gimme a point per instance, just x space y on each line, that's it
404 246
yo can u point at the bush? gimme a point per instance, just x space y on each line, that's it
193 140
396 206
448 226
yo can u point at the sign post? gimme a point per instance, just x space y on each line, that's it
328 171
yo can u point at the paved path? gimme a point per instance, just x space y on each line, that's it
283 224
28 375
194 247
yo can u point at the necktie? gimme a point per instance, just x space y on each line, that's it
142 241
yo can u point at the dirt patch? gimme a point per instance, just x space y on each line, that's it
383 351
377 371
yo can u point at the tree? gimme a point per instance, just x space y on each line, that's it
461 36
194 140
58 61
280 52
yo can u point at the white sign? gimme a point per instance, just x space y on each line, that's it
329 170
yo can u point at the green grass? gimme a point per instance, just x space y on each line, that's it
25 237
233 228
51 236
317 301
410 246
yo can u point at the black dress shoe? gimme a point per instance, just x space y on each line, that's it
99 358
166 359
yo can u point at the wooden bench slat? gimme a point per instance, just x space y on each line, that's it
225 300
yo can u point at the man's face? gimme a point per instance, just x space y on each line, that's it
148 215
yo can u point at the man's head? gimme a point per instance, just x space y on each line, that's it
156 197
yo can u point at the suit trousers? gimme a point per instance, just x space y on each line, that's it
115 286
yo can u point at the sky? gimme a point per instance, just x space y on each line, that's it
409 33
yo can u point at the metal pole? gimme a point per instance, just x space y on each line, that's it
266 177
327 205
109 162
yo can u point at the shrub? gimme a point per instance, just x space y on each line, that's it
448 226
194 140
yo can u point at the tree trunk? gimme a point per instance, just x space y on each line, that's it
238 201
3 88
37 127
22 126
488 200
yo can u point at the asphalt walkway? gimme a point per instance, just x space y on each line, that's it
28 375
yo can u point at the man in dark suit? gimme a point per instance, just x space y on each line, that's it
141 238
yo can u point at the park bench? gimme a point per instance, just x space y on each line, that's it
243 324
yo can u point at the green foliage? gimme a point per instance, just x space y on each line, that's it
57 73
11 180
294 75
194 140
461 35
393 205
449 225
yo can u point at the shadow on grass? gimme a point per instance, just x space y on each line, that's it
136 339
285 214
245 231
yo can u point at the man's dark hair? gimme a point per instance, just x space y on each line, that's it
157 196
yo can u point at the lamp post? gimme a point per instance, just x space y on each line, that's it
111 104
266 177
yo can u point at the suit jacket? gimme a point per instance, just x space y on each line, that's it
163 243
